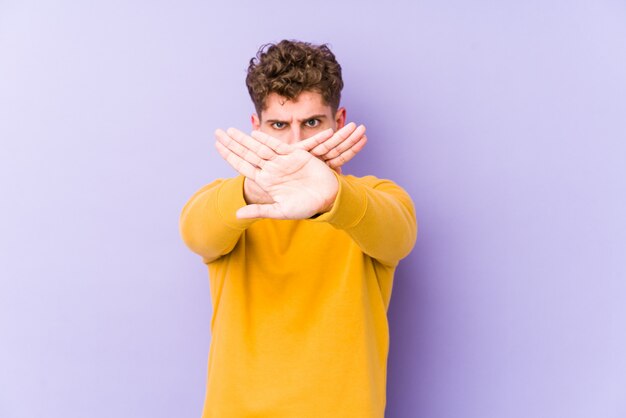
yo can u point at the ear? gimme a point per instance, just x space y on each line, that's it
340 117
256 122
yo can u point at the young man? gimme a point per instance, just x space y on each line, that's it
301 258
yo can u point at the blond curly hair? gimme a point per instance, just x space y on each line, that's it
290 67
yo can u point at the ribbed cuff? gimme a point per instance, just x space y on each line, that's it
229 200
349 207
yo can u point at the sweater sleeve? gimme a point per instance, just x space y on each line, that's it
378 214
208 224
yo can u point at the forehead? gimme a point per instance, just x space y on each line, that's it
306 104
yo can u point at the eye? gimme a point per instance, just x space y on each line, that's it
278 125
312 123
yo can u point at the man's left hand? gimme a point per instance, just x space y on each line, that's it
300 184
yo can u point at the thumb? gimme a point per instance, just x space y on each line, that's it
260 211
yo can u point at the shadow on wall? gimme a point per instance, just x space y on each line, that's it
408 348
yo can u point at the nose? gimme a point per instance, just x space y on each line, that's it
295 134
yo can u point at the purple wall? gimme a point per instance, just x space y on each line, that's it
506 121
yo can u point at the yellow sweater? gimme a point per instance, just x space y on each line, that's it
299 326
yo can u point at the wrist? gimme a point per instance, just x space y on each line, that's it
248 194
334 190
253 194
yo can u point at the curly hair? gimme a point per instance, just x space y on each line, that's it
290 67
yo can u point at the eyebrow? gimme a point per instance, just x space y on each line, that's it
320 116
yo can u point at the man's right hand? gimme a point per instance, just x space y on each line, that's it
338 149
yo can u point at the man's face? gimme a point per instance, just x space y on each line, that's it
294 120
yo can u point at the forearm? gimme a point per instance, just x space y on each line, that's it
208 224
378 214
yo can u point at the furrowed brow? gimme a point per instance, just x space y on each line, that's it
313 117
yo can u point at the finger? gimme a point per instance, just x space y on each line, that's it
339 137
234 146
312 142
344 143
260 211
276 145
242 166
347 155
355 145
347 144
251 143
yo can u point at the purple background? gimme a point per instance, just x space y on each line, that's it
506 122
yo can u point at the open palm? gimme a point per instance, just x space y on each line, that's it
299 184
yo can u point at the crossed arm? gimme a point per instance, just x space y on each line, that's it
378 214
289 181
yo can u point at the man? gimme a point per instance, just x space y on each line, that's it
301 258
